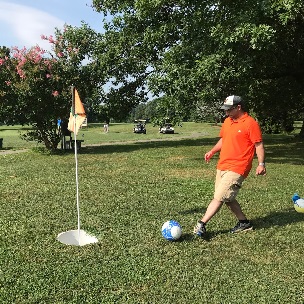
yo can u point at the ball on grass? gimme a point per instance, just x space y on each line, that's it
171 230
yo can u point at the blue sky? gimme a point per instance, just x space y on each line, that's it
22 22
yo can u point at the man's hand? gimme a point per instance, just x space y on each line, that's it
215 149
208 155
260 170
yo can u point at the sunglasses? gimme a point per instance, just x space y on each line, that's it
232 108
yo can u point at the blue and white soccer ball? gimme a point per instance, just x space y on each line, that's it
171 230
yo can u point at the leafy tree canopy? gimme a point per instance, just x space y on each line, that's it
197 52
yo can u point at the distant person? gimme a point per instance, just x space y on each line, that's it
106 128
240 139
59 123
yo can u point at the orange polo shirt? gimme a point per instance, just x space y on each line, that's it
238 144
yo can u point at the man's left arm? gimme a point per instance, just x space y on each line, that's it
260 152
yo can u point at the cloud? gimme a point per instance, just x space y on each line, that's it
27 24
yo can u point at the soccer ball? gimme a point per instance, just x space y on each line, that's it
171 230
299 205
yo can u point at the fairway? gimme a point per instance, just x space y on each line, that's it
129 185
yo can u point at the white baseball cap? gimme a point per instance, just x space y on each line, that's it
231 101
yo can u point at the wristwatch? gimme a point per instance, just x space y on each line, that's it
262 164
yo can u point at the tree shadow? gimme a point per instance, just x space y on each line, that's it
15 129
284 149
279 148
135 146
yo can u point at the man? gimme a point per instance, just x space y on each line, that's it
240 139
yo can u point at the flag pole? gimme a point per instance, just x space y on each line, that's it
76 237
76 162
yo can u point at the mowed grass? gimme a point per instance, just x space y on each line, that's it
127 191
94 135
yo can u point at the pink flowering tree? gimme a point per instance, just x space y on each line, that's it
36 85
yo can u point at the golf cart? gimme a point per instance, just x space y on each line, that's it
167 128
140 126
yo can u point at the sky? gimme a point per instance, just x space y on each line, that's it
22 22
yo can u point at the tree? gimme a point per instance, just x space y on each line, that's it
198 52
6 95
36 85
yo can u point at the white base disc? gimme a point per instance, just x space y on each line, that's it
76 237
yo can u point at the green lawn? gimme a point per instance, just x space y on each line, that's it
119 132
127 191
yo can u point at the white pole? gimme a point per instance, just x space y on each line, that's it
70 237
76 171
76 160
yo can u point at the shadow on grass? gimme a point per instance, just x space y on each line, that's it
273 219
281 218
191 237
284 149
135 146
279 148
198 210
188 237
16 129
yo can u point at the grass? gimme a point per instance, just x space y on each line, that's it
126 193
94 135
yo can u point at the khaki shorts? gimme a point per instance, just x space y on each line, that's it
227 185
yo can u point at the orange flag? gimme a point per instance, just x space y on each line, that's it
77 115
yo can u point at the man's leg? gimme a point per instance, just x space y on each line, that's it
213 207
243 224
235 208
227 185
